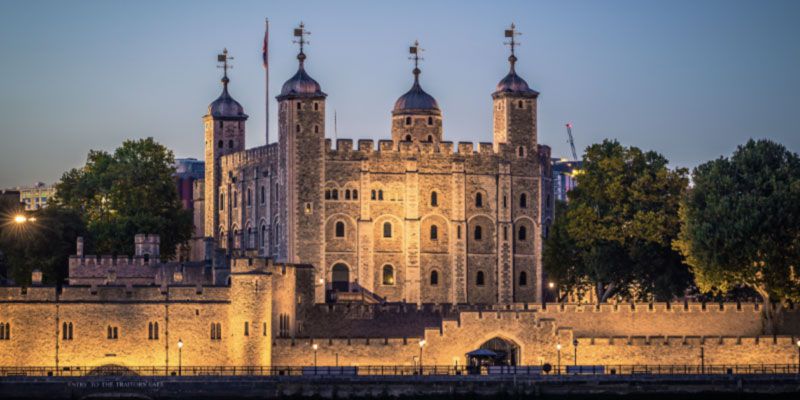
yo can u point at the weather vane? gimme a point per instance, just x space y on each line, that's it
300 32
512 33
223 58
415 52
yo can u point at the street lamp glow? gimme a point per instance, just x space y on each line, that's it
20 219
422 342
180 344
315 346
551 285
558 347
321 281
798 343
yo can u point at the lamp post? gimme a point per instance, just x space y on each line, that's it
558 365
422 343
575 345
702 360
315 347
798 356
180 357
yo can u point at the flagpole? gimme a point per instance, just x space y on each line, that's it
266 74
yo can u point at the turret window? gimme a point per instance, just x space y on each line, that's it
523 279
316 106
387 229
434 232
478 200
249 197
430 138
220 144
235 199
230 144
408 120
222 201
523 201
522 234
430 121
408 138
520 104
380 194
521 151
335 194
388 275
299 105
434 199
347 194
480 279
316 128
339 229
263 195
478 233
355 194
434 278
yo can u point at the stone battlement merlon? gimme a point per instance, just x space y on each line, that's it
250 156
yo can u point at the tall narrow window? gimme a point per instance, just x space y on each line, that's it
230 144
263 195
408 138
263 235
327 194
522 234
316 106
430 121
374 195
387 229
249 197
479 200
434 232
523 201
347 194
434 278
355 194
150 331
335 194
505 233
430 139
505 201
480 280
408 122
316 128
222 201
434 199
66 331
478 233
523 278
235 199
380 194
340 229
220 144
458 232
246 328
388 275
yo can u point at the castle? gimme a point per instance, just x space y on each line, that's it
416 220
362 256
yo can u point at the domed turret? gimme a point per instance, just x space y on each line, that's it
225 106
513 83
301 84
416 100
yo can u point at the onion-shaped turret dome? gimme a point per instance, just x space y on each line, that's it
301 84
416 100
225 106
514 84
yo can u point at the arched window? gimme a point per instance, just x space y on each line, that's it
434 278
297 128
480 279
458 232
387 229
316 128
434 232
505 201
430 121
434 199
340 229
66 329
430 138
374 196
523 201
263 235
230 144
347 194
408 122
222 201
335 194
388 275
521 151
251 240
220 144
327 194
299 105
380 194
478 233
263 195
355 194
235 199
479 200
249 197
505 233
520 104
523 278
316 106
408 138
522 234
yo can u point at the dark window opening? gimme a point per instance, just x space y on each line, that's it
479 200
478 233
387 229
523 201
434 199
340 229
434 278
523 278
388 275
434 232
480 280
522 234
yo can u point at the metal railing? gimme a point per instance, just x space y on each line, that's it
406 370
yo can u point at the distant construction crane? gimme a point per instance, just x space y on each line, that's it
571 141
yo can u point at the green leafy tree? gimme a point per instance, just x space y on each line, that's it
44 242
741 224
618 226
125 193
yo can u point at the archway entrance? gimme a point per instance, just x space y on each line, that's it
496 351
340 278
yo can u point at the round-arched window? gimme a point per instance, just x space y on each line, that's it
388 275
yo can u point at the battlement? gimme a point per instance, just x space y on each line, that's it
344 148
250 156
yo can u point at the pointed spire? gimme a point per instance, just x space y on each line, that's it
513 83
225 106
223 58
301 85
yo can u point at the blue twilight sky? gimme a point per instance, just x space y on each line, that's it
690 79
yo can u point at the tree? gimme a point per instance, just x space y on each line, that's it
125 193
44 242
741 224
618 226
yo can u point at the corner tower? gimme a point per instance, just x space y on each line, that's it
514 108
416 116
224 134
301 137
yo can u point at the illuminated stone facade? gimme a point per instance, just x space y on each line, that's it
416 219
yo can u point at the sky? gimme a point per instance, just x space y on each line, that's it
689 79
